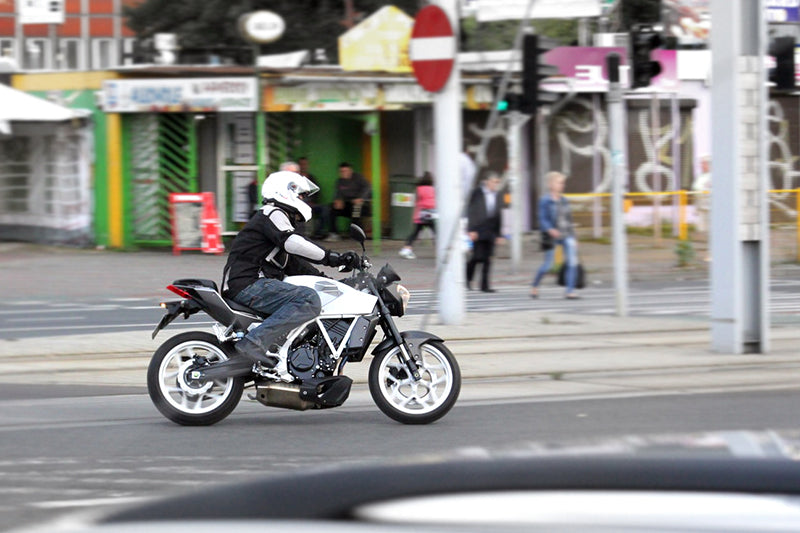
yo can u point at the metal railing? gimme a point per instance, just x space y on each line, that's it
684 215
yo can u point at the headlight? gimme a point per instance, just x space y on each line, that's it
405 296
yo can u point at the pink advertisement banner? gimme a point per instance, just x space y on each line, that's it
583 69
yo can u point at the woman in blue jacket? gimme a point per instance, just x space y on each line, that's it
555 223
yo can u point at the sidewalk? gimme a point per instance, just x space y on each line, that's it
558 349
31 272
563 354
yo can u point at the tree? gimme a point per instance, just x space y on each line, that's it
489 36
310 24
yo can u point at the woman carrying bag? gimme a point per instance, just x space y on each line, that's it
555 223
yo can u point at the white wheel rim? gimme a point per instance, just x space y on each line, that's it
186 396
416 397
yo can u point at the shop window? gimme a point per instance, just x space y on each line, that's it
15 170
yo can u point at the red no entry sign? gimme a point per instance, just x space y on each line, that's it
432 49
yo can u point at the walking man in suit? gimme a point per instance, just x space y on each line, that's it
483 227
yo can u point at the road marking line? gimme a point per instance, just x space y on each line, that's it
105 326
63 504
45 319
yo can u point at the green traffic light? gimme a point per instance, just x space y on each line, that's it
502 105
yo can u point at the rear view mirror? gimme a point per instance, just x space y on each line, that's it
357 234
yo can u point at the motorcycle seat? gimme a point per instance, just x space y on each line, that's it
243 308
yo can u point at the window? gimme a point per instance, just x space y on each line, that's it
128 46
7 48
70 56
37 54
104 54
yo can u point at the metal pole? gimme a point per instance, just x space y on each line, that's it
448 137
739 223
616 117
655 112
677 163
480 158
542 148
515 122
597 207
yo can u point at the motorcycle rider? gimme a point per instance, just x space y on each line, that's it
266 250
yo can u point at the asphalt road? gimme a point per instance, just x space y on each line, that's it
65 449
37 318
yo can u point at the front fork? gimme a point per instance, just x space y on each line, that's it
405 353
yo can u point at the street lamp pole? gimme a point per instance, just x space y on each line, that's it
616 117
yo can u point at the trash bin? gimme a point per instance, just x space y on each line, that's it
402 189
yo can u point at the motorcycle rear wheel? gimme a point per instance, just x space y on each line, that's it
183 400
416 402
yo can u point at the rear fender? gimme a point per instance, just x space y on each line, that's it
185 307
414 340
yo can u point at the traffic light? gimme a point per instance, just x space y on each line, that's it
644 39
506 102
783 75
534 70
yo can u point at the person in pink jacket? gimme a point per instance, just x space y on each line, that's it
424 213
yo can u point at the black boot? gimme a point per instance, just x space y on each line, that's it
255 353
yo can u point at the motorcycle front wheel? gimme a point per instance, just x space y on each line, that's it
402 398
179 397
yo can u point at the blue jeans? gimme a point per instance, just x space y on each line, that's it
287 305
570 246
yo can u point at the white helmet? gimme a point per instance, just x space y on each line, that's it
288 190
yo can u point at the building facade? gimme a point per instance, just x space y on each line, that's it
89 34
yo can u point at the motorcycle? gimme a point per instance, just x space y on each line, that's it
197 378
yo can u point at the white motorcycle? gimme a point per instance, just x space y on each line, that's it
197 378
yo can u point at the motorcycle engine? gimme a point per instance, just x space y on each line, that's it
312 357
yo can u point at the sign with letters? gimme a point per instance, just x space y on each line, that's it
179 95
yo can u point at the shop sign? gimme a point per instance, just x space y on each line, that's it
780 11
378 43
261 26
327 97
40 11
184 95
403 199
490 10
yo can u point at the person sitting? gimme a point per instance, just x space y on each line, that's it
352 194
266 250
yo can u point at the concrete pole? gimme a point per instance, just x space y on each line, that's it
515 123
448 138
117 22
739 218
86 41
619 238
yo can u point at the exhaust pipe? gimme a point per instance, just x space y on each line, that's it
284 395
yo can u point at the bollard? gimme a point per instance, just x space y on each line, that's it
797 221
683 227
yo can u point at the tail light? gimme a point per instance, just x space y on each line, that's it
180 292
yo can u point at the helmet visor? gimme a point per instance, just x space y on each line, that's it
305 187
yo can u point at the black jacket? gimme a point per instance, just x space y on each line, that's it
486 226
259 249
